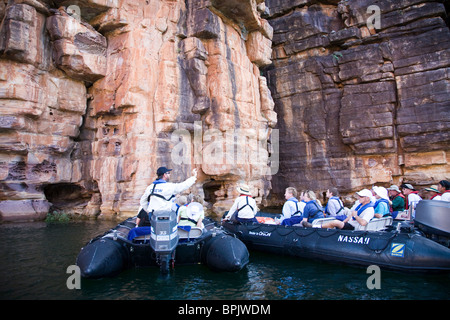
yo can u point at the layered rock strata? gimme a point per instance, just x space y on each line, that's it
97 94
360 103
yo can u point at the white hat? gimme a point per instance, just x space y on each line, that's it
381 191
194 210
364 193
433 188
244 189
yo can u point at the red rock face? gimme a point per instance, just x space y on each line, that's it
96 95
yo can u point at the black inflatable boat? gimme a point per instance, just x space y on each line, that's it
122 247
401 249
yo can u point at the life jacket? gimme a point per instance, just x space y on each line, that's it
235 214
380 201
437 194
387 203
340 204
155 183
245 205
296 207
360 208
316 214
189 219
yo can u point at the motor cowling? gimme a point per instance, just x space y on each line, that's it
164 237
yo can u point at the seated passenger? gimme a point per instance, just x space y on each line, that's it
313 210
244 207
335 207
142 219
444 189
412 199
359 218
292 207
397 200
180 206
191 215
382 204
434 193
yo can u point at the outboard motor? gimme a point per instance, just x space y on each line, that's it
433 218
164 237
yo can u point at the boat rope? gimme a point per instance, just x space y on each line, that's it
301 232
327 233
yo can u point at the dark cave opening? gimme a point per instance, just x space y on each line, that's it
66 197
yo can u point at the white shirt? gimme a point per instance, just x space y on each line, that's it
246 212
367 215
289 209
413 200
167 190
445 196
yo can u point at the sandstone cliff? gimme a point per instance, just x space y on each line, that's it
360 104
96 94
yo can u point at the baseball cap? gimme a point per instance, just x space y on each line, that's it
407 186
162 170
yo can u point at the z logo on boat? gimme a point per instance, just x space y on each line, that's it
398 249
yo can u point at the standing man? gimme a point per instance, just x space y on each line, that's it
160 194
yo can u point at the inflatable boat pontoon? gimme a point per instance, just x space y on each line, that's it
126 246
401 248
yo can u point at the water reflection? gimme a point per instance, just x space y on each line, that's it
35 256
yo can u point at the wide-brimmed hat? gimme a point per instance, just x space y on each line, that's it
364 193
244 189
433 188
381 192
194 210
394 188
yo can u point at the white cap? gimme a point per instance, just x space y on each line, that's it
364 193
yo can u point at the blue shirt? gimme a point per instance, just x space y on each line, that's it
382 207
312 211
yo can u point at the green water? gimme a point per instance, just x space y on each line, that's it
35 256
